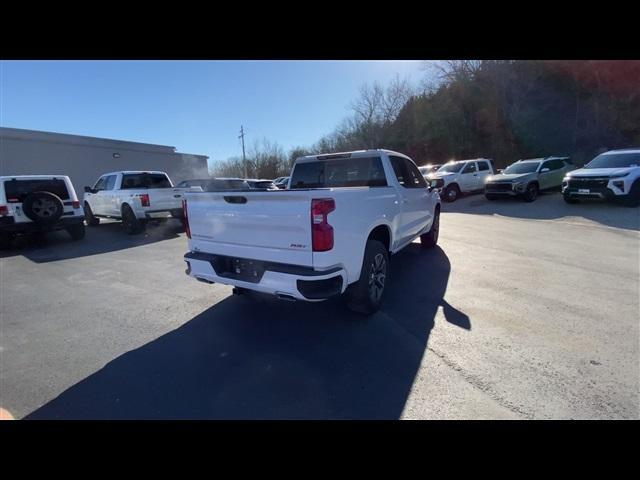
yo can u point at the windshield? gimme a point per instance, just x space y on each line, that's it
451 167
527 167
614 160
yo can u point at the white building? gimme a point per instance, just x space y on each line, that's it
84 159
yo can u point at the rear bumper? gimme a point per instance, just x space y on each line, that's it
302 283
160 214
8 224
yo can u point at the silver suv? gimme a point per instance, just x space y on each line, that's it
526 178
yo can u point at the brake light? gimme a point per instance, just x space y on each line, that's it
185 219
144 199
4 210
75 204
321 231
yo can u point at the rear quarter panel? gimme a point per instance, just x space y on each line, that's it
358 211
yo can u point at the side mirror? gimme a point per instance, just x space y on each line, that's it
545 170
88 190
500 170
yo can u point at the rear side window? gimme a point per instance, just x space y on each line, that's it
144 180
17 190
407 173
348 172
482 166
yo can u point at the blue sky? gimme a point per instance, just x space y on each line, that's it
196 106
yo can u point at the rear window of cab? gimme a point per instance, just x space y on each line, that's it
17 190
346 172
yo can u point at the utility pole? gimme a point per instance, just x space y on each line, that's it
244 159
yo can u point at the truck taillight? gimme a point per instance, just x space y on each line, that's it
4 210
75 204
185 218
144 199
321 231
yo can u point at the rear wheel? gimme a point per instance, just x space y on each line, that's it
91 220
451 193
365 296
430 239
531 193
130 223
76 231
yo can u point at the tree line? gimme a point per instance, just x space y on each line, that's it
499 109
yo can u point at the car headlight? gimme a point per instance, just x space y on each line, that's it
566 178
619 175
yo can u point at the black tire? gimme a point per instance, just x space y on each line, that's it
76 231
365 296
531 193
451 193
43 208
91 220
632 199
569 199
6 240
490 197
430 239
130 223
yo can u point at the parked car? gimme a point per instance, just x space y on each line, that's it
330 233
613 175
261 184
425 170
526 178
133 197
38 204
281 182
462 176
215 184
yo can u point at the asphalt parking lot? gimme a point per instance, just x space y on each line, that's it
525 311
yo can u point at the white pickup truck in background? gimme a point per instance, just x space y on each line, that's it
463 176
133 197
331 232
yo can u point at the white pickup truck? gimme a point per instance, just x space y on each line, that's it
133 197
330 232
463 176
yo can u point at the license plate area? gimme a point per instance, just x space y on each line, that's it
584 191
235 268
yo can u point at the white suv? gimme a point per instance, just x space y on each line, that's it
462 176
38 204
613 175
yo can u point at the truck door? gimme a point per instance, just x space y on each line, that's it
483 172
110 202
469 177
414 199
96 200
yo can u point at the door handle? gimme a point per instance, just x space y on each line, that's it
404 200
475 174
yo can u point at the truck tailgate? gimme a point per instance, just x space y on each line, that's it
273 226
164 198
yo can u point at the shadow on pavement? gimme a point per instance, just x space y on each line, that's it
259 358
549 206
106 237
